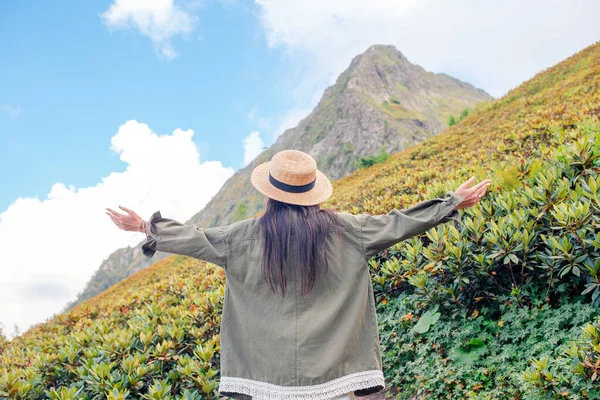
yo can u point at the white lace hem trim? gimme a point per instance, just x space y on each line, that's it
268 391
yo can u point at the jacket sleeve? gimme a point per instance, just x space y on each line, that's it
191 240
382 231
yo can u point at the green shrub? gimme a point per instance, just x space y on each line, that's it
155 337
464 114
545 233
365 162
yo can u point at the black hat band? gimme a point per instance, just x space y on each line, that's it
292 188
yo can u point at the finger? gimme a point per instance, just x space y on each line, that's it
130 212
116 218
467 182
113 212
127 210
480 184
483 182
135 214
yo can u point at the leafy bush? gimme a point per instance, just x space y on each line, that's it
152 337
452 121
464 114
365 162
545 233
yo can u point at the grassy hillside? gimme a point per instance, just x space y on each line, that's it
490 309
140 336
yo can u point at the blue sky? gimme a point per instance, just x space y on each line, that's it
74 83
154 104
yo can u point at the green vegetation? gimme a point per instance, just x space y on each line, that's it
478 355
150 336
365 162
513 285
463 115
544 230
502 306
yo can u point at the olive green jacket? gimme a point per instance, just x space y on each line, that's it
318 346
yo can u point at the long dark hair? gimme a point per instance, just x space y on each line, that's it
310 225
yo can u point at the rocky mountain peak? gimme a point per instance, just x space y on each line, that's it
386 52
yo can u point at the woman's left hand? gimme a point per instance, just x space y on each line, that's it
129 222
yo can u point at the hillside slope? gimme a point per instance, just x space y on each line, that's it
156 333
381 100
515 124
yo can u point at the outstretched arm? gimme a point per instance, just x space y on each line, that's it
168 235
382 231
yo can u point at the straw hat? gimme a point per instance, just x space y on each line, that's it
292 177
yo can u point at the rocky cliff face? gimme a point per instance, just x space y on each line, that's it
380 101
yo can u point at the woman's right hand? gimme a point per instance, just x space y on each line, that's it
472 195
128 222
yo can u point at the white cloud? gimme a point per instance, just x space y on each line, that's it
51 247
12 111
493 45
160 20
253 146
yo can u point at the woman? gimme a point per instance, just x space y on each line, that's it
299 317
